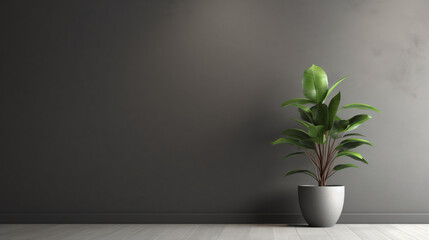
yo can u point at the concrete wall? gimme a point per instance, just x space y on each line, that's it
162 111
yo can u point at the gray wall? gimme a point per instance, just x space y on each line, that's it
162 111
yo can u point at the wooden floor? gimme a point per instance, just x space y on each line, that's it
211 232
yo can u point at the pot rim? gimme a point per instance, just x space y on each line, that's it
317 186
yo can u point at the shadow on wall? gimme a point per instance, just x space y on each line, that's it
278 200
273 203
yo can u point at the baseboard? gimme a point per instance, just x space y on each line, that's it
285 218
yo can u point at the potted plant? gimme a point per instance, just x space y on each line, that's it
324 140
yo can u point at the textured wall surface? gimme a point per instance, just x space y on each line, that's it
150 107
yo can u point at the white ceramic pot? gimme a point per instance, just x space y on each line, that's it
321 206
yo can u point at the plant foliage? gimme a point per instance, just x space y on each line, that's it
324 137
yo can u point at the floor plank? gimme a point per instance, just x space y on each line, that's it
392 232
285 232
341 232
212 232
67 231
260 232
125 231
7 228
92 232
149 231
207 232
165 232
312 233
424 226
28 231
234 232
413 230
367 232
34 233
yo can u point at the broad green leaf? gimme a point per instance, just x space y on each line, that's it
351 154
307 143
297 101
338 127
293 154
310 173
349 140
296 133
285 140
317 133
353 134
300 106
320 114
315 83
306 116
332 88
341 125
352 143
357 120
332 110
360 106
342 166
306 124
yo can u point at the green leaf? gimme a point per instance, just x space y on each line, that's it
317 133
306 116
341 125
360 106
285 140
352 143
310 173
293 154
296 133
297 101
357 120
356 140
354 155
305 123
300 106
315 83
332 88
353 134
320 114
332 110
342 166
307 143
338 127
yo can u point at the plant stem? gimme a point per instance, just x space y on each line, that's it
313 161
334 153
